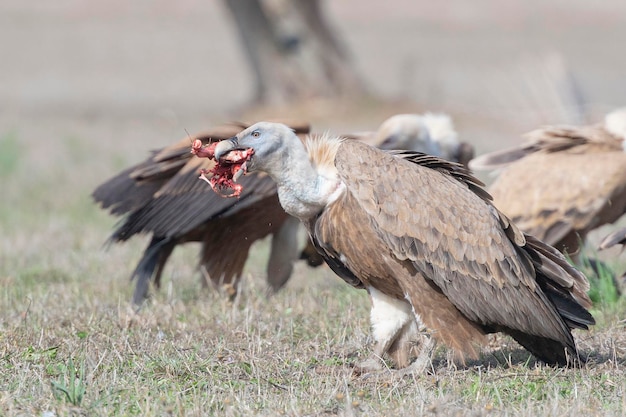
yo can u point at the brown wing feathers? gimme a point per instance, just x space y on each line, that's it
497 278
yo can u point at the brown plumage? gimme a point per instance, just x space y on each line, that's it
564 182
163 197
420 234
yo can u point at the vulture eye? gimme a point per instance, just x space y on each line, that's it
256 134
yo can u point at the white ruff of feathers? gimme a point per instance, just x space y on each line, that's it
309 183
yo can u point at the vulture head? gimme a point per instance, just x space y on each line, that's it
304 188
406 131
431 133
257 148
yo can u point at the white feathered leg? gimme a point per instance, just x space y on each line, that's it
393 327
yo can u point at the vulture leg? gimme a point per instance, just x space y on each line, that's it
399 351
227 243
151 265
393 327
283 253
423 360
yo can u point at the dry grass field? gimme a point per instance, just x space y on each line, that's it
69 342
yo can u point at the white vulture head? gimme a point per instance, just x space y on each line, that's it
406 131
304 186
430 133
269 141
422 237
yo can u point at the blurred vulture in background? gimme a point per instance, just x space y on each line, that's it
431 133
162 196
564 181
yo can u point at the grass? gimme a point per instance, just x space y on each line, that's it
70 387
71 345
605 289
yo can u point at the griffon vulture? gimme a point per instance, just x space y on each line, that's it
420 234
162 196
564 182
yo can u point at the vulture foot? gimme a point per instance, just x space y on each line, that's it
373 364
422 362
230 291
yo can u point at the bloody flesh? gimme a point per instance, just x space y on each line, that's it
223 175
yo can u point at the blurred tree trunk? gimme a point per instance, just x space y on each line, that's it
292 51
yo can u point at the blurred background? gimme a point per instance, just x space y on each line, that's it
504 67
88 88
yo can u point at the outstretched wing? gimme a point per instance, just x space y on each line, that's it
135 186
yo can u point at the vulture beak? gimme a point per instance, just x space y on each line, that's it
225 146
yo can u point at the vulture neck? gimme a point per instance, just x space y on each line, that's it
308 181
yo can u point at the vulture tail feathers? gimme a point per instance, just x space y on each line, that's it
573 283
566 288
547 350
151 265
574 315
